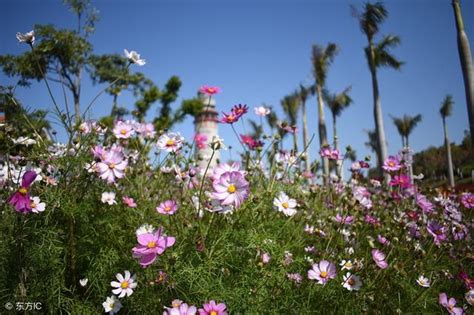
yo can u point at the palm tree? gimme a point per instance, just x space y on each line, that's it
372 143
322 57
303 94
405 126
290 104
378 55
337 103
445 111
466 64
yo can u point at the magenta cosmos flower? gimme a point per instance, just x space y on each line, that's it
21 198
379 258
209 90
438 232
151 245
467 199
129 202
322 272
450 304
229 118
240 110
403 181
201 140
167 207
212 308
112 166
231 188
392 164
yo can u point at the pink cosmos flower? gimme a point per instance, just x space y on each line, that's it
224 168
129 202
383 240
150 245
209 90
400 180
200 139
265 257
167 207
112 166
123 130
322 272
231 188
21 198
212 308
240 110
362 195
229 118
391 164
295 277
450 305
379 258
180 309
147 130
438 232
468 282
424 203
171 142
344 219
467 199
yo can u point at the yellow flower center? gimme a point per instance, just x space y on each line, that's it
167 209
123 131
211 90
33 205
231 189
151 244
285 205
351 281
170 142
230 118
391 163
112 166
324 274
111 305
124 285
23 190
213 313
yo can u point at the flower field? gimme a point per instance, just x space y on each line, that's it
131 216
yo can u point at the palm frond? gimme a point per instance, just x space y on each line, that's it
446 106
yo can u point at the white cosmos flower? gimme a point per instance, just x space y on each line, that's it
351 282
285 204
170 142
261 111
36 205
469 296
24 140
423 281
125 284
134 57
28 38
83 282
108 197
346 264
144 228
112 305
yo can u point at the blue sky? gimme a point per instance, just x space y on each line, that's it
258 51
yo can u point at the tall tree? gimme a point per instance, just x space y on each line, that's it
405 126
445 111
60 56
303 94
322 57
337 103
290 105
378 55
465 57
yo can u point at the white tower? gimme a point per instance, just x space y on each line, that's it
206 126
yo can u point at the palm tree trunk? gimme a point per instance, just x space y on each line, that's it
448 154
323 139
336 146
410 167
305 138
378 116
403 141
295 142
465 57
113 112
